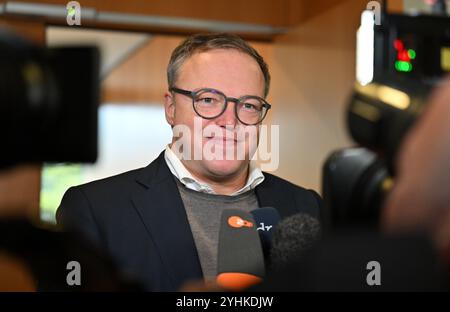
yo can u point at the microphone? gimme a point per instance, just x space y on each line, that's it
240 258
292 238
266 219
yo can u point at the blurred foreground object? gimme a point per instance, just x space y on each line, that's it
48 102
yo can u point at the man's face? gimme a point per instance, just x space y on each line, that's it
235 74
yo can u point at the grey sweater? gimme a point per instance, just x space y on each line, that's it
204 212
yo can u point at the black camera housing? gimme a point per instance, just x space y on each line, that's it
49 101
356 181
422 44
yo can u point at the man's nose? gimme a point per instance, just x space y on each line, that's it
228 118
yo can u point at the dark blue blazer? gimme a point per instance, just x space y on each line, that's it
139 218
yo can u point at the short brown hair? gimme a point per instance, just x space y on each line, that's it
205 42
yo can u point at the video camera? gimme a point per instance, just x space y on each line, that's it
48 102
398 63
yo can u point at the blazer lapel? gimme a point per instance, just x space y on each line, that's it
270 194
161 209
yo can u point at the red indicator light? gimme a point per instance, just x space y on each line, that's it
398 45
403 56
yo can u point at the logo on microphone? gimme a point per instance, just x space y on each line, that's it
263 227
238 222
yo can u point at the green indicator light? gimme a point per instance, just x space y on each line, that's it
403 66
410 67
411 54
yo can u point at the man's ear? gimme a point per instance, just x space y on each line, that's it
169 108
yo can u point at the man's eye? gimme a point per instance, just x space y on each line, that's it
250 107
207 100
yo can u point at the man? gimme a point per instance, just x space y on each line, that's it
161 223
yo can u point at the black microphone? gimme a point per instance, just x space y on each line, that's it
292 238
266 219
240 258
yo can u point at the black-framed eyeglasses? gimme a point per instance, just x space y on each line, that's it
211 103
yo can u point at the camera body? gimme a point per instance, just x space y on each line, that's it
398 63
410 56
49 100
412 48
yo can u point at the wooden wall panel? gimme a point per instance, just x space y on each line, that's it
395 6
276 13
142 77
270 12
31 29
300 11
313 71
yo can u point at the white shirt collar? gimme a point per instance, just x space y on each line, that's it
255 176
